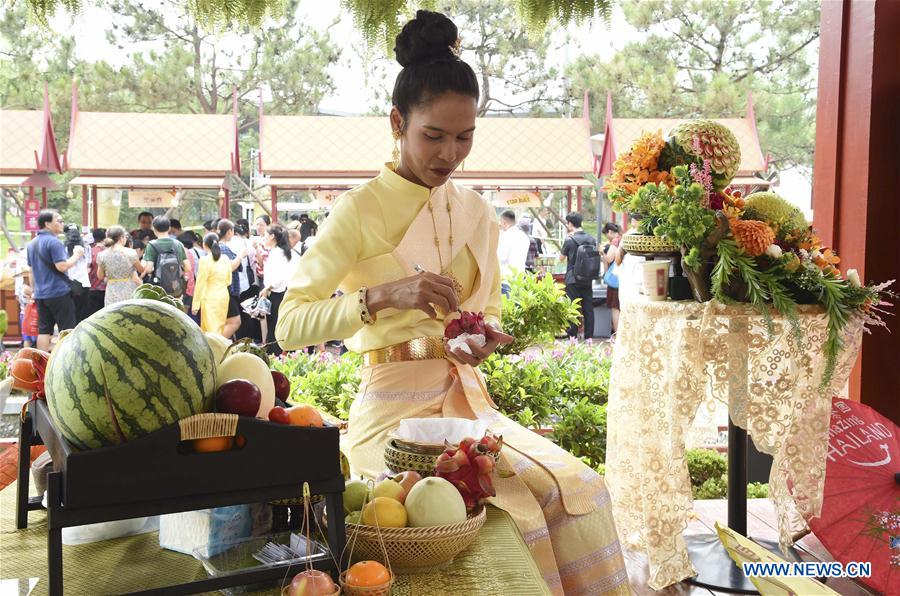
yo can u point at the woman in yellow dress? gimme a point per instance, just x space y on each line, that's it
211 287
408 247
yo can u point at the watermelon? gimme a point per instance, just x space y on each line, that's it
131 368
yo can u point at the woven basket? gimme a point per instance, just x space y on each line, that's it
413 550
644 244
398 459
381 590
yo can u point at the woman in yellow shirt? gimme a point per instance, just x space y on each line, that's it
211 288
406 249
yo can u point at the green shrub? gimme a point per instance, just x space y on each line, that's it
538 388
536 310
709 476
757 490
521 387
704 464
581 430
323 380
582 370
712 488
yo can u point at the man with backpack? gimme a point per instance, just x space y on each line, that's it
167 263
579 251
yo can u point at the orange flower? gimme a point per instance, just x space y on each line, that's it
810 243
638 166
754 237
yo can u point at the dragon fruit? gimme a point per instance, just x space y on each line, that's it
468 326
468 467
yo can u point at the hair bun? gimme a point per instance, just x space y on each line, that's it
429 36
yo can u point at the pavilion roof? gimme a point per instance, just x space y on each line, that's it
317 147
20 137
27 144
150 144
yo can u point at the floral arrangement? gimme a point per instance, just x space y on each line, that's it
758 249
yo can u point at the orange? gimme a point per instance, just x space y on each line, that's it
304 416
367 574
213 444
24 375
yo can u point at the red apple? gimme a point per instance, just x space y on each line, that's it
407 479
279 415
238 396
312 582
282 385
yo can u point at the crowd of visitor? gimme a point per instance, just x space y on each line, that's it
233 277
222 277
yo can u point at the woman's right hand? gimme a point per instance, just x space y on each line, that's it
422 291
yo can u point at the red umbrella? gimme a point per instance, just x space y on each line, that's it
860 518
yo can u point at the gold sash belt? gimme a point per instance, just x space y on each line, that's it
420 348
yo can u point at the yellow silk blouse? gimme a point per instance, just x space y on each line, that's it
355 247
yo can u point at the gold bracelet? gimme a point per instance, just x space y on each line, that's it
364 313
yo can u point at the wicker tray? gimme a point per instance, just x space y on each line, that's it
412 550
419 448
398 459
644 244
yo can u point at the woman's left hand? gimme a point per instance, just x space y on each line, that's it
493 336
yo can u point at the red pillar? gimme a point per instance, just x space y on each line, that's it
854 195
95 208
84 205
274 214
569 200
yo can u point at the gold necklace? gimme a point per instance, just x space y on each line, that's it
445 271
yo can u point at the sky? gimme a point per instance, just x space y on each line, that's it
349 97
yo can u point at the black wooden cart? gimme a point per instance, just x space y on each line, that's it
158 474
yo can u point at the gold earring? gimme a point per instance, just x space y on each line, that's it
395 154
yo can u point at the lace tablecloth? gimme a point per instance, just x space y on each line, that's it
669 358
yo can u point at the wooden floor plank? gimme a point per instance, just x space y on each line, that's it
761 523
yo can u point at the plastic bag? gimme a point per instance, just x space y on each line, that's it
107 530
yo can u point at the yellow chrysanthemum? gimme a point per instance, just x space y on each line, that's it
754 237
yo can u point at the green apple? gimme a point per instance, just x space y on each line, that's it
354 517
354 495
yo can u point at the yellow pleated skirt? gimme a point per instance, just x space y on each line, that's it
537 483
